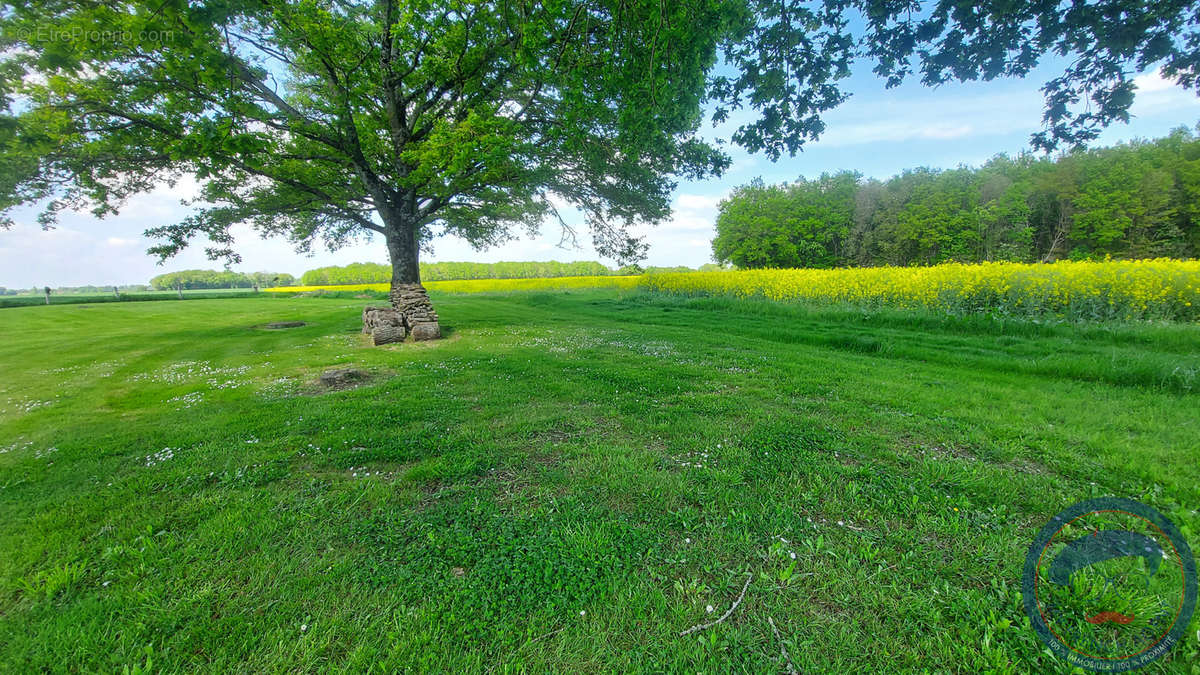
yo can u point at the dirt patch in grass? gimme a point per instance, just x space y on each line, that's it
339 378
336 379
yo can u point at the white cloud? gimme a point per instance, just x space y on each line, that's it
964 114
896 131
1153 81
945 131
697 202
1157 95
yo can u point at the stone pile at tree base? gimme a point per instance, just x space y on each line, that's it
419 317
411 313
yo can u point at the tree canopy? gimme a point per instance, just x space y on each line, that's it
1134 200
324 120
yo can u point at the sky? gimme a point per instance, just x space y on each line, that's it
878 132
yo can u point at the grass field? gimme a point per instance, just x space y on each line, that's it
565 483
27 300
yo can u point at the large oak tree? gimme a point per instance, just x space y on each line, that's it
322 120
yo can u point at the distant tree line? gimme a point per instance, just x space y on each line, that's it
354 273
1133 200
212 279
74 290
369 273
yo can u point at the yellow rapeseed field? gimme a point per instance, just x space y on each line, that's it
1134 289
485 285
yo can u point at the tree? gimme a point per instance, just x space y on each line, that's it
1005 216
801 224
1133 200
325 120
203 279
268 279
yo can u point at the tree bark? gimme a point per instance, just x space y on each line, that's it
403 253
407 293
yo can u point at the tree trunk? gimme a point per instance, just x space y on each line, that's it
407 294
403 253
1060 234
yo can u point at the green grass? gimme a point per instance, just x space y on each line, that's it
563 484
28 300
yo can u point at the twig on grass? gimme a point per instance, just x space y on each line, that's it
881 570
787 659
543 636
724 616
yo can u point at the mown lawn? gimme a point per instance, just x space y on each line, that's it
565 483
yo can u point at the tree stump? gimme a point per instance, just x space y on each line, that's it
384 324
366 318
426 330
383 335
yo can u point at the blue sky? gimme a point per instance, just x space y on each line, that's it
878 132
